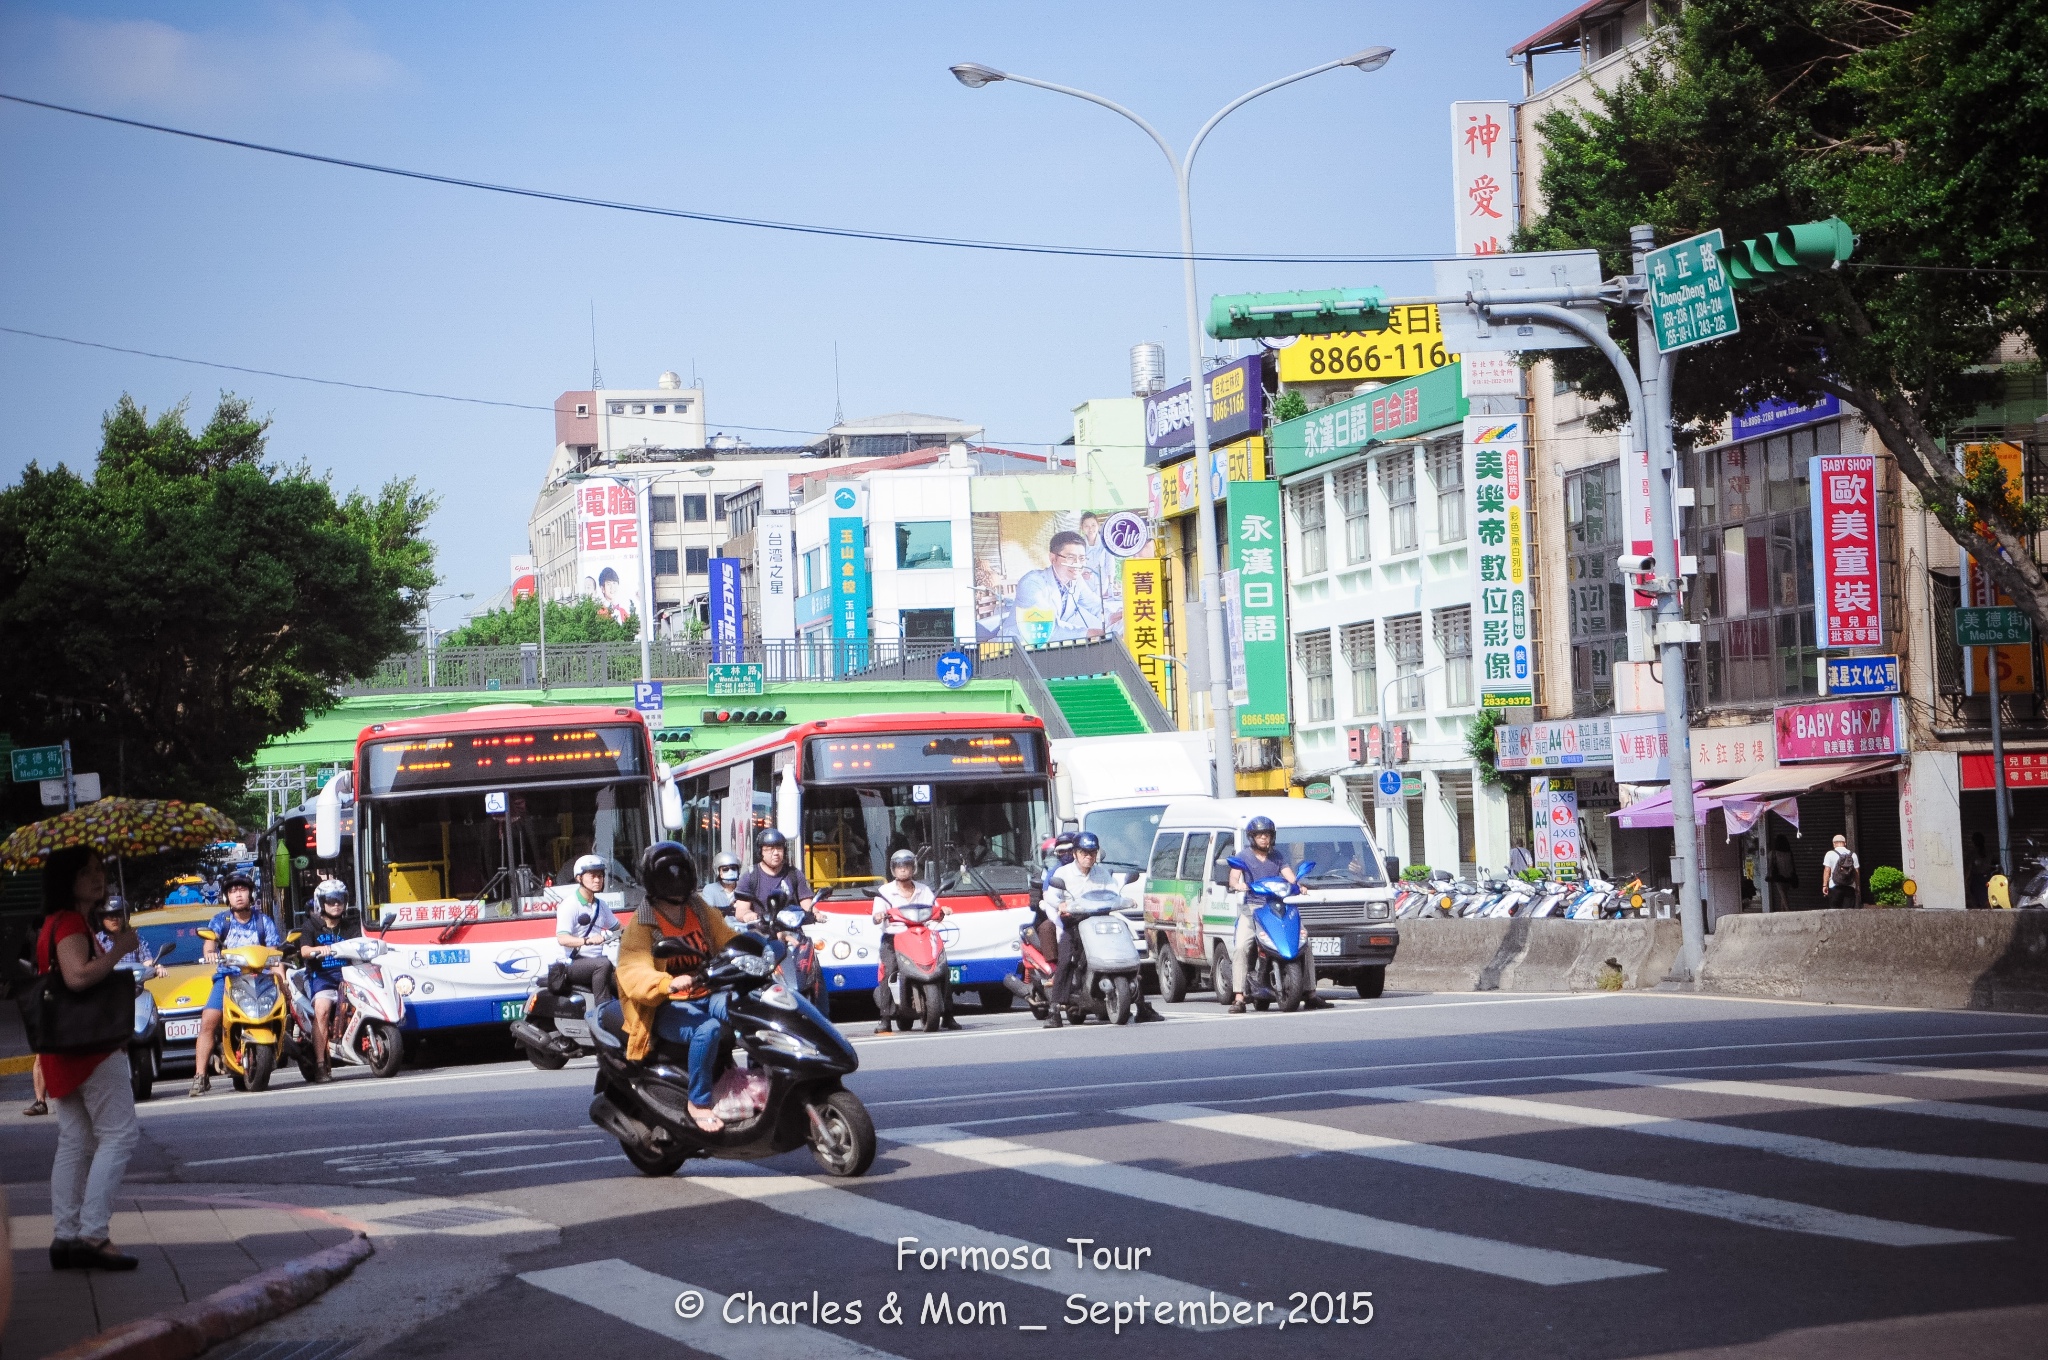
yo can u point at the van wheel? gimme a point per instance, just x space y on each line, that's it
1372 981
1173 979
1220 972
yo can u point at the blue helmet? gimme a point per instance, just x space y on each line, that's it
1088 841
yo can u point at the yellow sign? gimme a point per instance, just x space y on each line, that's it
1145 622
1245 461
1412 343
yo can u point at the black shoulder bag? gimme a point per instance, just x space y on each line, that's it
96 1020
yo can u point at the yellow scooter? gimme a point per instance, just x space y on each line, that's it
252 1016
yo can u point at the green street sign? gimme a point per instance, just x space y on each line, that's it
733 679
1690 300
1999 625
35 763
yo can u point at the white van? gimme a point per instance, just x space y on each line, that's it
1191 917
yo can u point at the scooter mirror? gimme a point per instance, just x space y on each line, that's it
1237 862
170 948
666 948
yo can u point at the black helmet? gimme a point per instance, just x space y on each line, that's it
668 872
770 837
1260 825
1065 841
237 880
1088 841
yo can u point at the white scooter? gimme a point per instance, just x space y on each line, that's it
363 1026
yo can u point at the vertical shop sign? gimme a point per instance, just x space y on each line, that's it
726 612
1145 622
1500 572
1845 550
1483 175
1554 810
1262 607
849 577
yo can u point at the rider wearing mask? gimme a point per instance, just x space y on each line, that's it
1267 860
726 872
674 910
902 890
327 927
581 923
238 925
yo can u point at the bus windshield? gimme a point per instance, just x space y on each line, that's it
461 846
992 828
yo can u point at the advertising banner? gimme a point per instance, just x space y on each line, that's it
1554 814
1500 570
775 570
1731 752
1397 411
1483 175
2023 770
1048 576
726 612
608 566
1262 607
849 564
1574 741
1412 343
1642 750
1145 623
1845 567
522 577
1773 416
1846 729
1237 407
1243 461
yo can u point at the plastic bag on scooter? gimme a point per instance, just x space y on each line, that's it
738 1096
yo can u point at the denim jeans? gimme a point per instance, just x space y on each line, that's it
705 1020
96 1133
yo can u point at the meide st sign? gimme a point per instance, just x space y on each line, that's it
1847 729
1845 574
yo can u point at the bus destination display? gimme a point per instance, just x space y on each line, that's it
489 759
913 755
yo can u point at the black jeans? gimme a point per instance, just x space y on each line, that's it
594 972
885 979
1068 963
1844 899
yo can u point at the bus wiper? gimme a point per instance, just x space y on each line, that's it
969 875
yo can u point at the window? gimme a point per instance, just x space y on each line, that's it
694 508
1314 651
1447 474
664 561
1166 855
1596 616
582 409
639 408
814 570
618 408
661 509
697 561
1191 577
1404 642
926 625
1361 657
922 544
1454 640
1309 530
1352 495
717 505
1397 484
1194 860
661 410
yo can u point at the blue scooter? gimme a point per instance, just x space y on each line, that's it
1278 968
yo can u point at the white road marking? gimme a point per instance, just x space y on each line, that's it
1734 1206
1824 1095
431 1157
1725 1135
387 1143
538 1166
1877 1066
1297 1218
814 1202
648 1301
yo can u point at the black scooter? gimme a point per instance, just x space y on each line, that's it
560 1023
645 1105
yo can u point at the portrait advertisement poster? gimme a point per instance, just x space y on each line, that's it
1845 560
608 566
1050 576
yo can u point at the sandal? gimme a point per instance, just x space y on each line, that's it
39 1107
706 1120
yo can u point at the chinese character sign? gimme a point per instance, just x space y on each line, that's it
1256 560
1845 550
1145 623
1505 648
849 568
775 571
1554 814
2015 664
608 565
1483 175
1690 300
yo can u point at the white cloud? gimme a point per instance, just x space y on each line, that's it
146 64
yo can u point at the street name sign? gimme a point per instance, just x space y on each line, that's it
735 679
1690 300
33 764
1998 625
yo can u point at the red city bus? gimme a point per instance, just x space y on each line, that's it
969 793
466 824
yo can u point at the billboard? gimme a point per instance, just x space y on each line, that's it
726 612
1237 407
1262 607
849 568
1412 343
608 564
1500 570
1145 622
522 577
1044 576
1483 176
1847 590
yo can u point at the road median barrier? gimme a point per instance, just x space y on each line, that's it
1523 955
1954 960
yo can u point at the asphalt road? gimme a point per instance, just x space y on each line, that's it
1600 1175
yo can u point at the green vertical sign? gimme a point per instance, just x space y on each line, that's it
1255 556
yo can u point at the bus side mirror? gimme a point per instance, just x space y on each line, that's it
327 815
669 797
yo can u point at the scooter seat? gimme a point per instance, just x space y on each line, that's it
610 1029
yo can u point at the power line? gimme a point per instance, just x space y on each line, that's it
1940 268
721 219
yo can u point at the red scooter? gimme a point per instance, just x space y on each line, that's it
921 969
1036 966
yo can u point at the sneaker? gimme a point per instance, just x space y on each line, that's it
885 1028
201 1084
1055 1020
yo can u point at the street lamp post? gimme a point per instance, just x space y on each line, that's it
432 641
1385 828
974 76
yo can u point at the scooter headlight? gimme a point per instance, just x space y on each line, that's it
788 1044
1266 940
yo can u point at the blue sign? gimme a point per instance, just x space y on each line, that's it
1390 783
725 609
1772 416
848 561
956 668
813 608
845 498
1863 675
647 697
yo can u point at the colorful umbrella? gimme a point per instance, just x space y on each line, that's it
118 826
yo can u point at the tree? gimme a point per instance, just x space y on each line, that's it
1921 127
569 622
190 601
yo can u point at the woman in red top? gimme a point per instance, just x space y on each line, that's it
96 1129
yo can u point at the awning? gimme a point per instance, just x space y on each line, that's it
1786 781
1655 811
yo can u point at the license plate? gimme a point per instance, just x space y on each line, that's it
1325 944
436 957
181 1029
511 1010
952 974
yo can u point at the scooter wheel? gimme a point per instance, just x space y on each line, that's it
544 1060
843 1139
649 1162
383 1049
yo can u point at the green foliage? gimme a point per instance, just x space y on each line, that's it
1289 405
1481 748
1888 887
1414 873
1921 127
189 601
569 622
1530 875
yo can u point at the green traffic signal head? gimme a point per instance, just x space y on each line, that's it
1759 260
1328 311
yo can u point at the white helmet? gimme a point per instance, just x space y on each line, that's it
590 864
331 890
727 863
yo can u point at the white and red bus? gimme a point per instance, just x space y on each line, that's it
467 825
969 793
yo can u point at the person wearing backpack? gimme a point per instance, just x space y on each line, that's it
1842 873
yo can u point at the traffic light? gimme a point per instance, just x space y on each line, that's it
1776 255
1329 311
672 736
734 717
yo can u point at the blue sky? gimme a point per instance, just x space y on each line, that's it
810 112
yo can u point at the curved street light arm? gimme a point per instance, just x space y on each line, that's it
1109 104
1188 165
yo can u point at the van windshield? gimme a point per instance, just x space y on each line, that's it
1126 835
1343 857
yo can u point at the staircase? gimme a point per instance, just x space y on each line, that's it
1095 705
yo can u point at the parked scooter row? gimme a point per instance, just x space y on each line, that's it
1443 895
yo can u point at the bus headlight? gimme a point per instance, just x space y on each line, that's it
405 984
841 950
